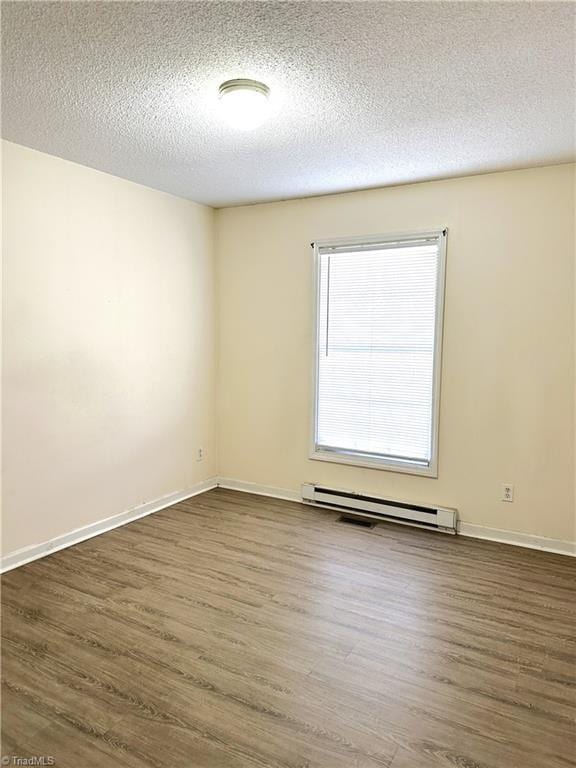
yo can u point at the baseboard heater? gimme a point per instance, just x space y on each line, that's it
435 518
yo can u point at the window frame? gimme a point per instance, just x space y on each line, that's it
370 461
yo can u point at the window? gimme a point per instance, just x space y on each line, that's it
379 306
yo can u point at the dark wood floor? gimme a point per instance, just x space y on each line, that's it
236 631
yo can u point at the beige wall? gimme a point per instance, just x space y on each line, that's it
108 345
507 405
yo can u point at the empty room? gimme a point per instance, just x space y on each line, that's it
288 384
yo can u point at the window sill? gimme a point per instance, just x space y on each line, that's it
382 464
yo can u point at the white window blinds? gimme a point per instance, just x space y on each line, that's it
378 330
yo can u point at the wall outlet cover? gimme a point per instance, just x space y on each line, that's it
507 492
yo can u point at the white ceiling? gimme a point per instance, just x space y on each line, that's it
365 93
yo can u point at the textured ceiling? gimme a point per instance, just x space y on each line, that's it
364 93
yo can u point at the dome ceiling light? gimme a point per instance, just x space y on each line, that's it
244 103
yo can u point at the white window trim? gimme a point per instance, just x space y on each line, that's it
371 462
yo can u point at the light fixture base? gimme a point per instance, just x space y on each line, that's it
242 83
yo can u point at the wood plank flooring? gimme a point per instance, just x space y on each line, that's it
237 631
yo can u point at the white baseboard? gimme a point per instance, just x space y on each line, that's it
559 546
36 551
259 490
526 540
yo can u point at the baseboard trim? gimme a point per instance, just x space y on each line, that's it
36 551
259 490
526 540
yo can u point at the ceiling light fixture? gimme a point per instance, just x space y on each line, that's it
244 103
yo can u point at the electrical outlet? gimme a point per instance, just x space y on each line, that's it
507 492
200 454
